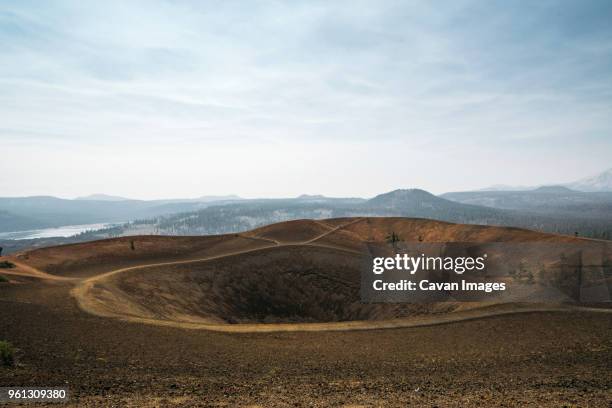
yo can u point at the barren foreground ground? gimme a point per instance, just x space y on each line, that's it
527 359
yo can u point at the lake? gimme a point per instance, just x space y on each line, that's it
65 231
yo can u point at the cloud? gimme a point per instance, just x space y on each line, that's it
447 79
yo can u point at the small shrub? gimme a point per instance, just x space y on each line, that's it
7 354
393 239
6 265
3 279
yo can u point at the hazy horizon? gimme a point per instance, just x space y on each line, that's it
195 195
276 99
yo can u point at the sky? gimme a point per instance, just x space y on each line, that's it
162 99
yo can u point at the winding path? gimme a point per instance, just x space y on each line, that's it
89 303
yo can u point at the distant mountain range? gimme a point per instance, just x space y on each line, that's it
247 214
601 182
557 201
551 209
548 208
26 213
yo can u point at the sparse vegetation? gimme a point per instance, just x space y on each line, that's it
393 238
7 354
6 265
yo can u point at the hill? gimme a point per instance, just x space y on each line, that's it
14 222
45 211
554 190
420 203
550 201
601 183
291 272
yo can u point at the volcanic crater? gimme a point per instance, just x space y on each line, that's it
291 273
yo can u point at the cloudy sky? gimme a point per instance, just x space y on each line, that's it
181 99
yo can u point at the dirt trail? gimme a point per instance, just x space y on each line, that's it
331 231
28 271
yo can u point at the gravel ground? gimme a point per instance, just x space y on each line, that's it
533 359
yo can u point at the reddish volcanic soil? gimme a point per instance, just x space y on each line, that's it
177 321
